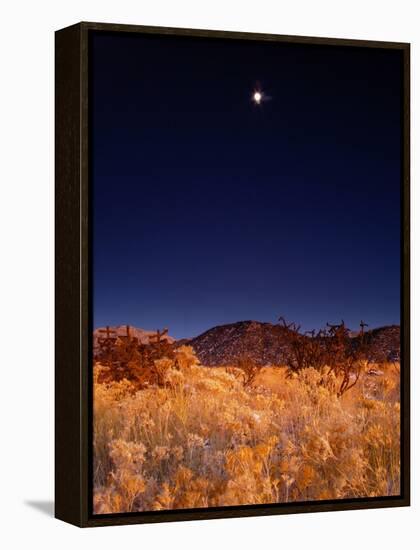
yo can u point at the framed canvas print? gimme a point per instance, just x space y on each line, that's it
232 274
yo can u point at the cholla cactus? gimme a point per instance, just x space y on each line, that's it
330 347
248 370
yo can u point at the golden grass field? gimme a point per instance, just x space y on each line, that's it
205 440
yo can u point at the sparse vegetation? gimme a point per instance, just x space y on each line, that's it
246 369
331 350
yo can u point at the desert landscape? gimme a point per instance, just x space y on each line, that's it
242 196
246 413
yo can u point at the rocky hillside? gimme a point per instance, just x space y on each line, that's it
223 345
384 344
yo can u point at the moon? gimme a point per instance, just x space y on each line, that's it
257 97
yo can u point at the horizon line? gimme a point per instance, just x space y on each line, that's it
227 324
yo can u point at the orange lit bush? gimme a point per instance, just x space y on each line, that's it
200 438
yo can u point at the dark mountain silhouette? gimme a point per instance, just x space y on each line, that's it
262 342
225 344
383 344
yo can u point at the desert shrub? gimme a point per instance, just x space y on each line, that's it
246 370
125 358
331 347
201 438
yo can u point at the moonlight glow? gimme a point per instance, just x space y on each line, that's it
257 97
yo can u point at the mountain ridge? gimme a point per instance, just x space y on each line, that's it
260 341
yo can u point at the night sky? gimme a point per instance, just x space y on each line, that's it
209 209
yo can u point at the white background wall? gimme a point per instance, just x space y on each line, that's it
26 274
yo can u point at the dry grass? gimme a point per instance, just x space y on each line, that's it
204 440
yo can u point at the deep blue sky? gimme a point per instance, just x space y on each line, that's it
209 209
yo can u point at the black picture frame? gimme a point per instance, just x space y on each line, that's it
73 384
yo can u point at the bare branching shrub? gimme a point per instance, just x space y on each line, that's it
248 370
331 350
302 350
345 359
125 358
